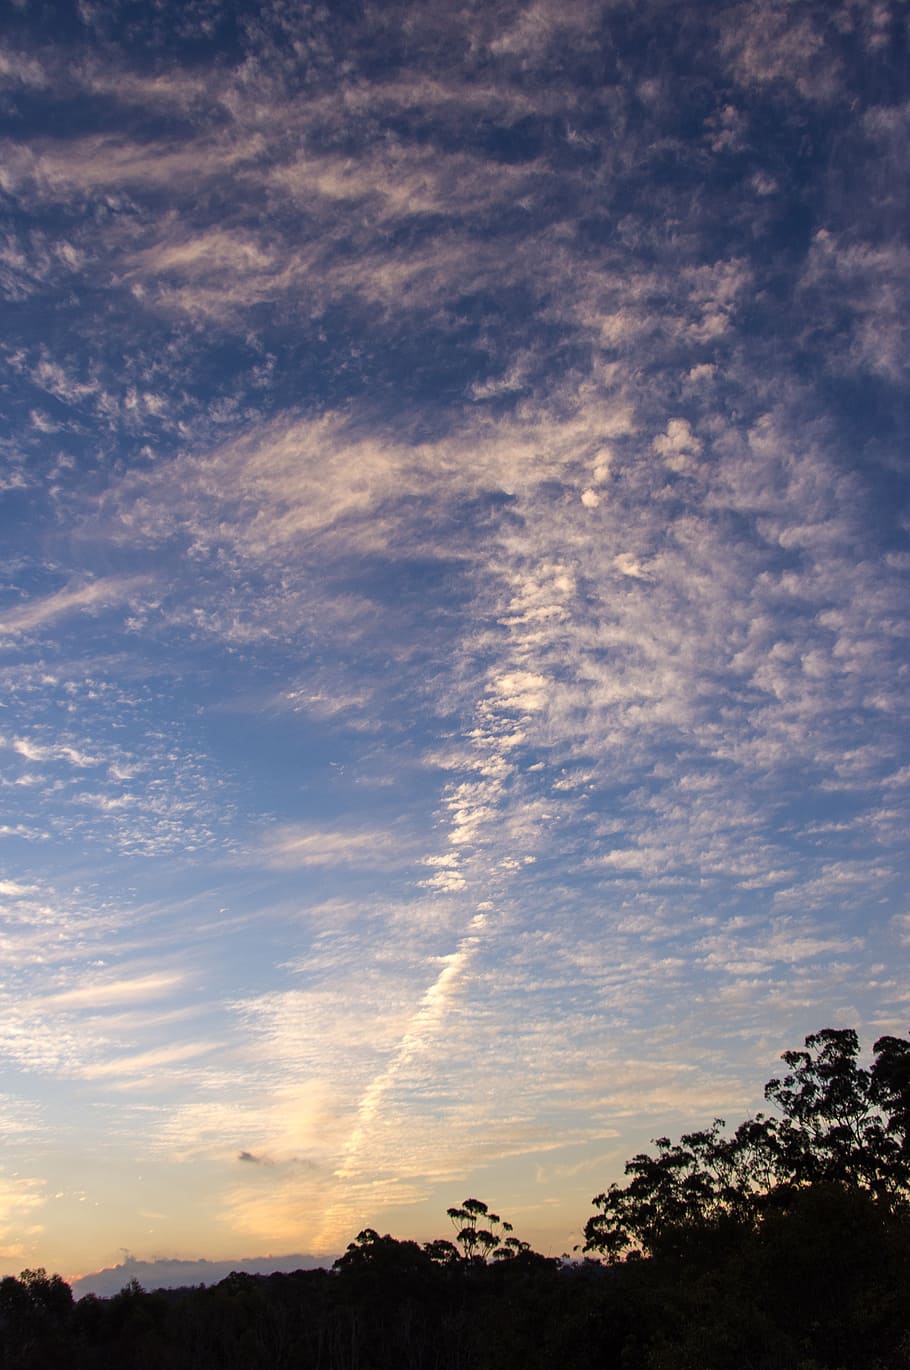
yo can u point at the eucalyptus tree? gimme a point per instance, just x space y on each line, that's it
481 1234
836 1123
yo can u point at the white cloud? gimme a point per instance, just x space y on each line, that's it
36 751
60 170
293 846
678 445
764 43
94 596
21 68
103 993
12 889
141 1063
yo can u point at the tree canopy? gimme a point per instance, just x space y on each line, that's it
836 1123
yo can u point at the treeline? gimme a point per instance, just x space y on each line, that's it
783 1246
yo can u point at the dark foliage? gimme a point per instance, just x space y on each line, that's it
837 1125
784 1246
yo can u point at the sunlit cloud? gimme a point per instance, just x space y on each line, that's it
291 847
105 993
143 1062
96 595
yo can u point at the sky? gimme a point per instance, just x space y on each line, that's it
453 600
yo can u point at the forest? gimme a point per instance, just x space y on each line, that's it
782 1245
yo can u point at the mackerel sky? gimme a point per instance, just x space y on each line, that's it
453 599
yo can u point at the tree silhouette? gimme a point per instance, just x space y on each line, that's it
480 1242
839 1124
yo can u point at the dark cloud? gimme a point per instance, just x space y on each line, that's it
175 1274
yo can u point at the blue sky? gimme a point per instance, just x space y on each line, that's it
453 600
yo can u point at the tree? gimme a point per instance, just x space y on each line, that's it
843 1124
829 1117
35 1311
891 1092
48 1299
381 1257
441 1251
479 1242
840 1125
687 1184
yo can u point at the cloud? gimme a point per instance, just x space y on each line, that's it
35 751
66 169
298 846
398 181
425 1023
165 1273
766 45
678 445
868 279
110 993
20 1199
12 889
21 68
94 596
140 1063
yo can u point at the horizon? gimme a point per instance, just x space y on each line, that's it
456 544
